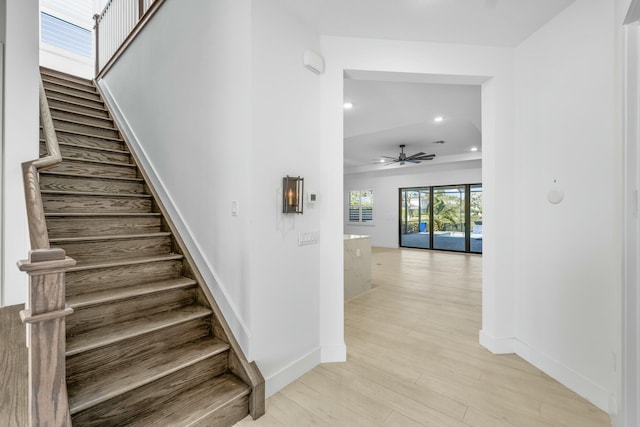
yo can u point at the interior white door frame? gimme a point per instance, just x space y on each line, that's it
630 375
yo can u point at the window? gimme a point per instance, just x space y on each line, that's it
446 218
361 206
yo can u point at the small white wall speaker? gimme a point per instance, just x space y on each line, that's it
313 62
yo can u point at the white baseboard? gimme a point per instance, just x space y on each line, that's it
568 377
230 311
497 345
285 376
333 353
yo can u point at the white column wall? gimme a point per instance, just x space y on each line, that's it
20 139
568 256
285 277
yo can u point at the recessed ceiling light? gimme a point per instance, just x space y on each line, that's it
474 148
438 119
347 105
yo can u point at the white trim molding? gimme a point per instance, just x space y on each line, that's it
628 414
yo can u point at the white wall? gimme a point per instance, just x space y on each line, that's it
192 118
20 139
230 114
285 278
568 256
385 186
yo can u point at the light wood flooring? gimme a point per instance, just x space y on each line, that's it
414 360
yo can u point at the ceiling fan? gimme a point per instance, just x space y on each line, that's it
402 158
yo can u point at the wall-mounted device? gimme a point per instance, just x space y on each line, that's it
313 62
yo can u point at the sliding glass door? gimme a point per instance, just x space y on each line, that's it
415 212
475 214
445 218
449 218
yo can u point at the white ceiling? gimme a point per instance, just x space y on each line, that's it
386 114
393 109
482 22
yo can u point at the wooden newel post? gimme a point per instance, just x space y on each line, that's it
45 318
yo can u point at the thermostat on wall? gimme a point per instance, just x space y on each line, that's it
312 197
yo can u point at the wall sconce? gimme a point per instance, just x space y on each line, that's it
292 194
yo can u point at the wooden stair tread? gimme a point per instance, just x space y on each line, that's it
123 262
189 408
78 104
76 122
102 337
65 76
88 193
71 91
80 113
111 295
88 147
119 382
109 237
89 135
97 162
102 214
88 88
86 176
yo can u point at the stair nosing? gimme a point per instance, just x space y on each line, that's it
85 176
134 332
110 237
95 194
93 265
119 294
88 147
217 348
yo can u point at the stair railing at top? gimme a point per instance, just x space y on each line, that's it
45 309
116 26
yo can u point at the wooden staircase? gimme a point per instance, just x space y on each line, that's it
146 344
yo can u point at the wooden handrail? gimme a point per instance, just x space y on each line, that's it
143 17
45 308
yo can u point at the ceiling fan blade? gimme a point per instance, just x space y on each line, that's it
413 156
390 158
425 157
412 161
